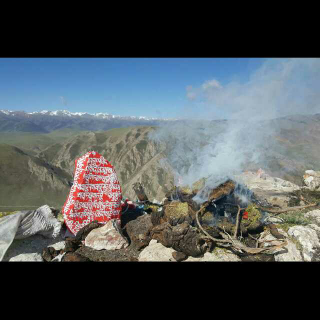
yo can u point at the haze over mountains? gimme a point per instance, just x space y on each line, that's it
37 153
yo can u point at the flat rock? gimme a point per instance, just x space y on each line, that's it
218 254
107 237
308 239
156 252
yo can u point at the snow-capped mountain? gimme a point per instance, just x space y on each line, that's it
47 121
80 114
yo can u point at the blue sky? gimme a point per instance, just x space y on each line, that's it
153 87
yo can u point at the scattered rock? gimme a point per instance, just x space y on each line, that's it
308 240
179 256
107 237
139 229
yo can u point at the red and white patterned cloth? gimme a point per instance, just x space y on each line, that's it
94 195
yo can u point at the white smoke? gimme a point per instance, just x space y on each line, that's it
217 150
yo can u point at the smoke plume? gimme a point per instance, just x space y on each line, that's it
208 147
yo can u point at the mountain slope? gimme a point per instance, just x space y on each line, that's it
28 181
129 150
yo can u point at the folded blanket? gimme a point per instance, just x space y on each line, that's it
26 223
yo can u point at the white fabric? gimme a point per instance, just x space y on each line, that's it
27 223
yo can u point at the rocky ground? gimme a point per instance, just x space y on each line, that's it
168 232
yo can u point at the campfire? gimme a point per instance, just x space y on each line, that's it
192 220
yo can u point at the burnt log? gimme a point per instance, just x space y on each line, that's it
138 231
82 233
274 231
157 217
182 238
74 257
179 256
49 253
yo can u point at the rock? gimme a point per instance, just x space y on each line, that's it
314 214
218 254
273 190
74 257
107 237
311 179
179 256
307 238
289 252
182 237
139 229
156 252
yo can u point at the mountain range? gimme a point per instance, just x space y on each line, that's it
48 121
37 154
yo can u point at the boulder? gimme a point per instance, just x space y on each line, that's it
274 191
138 231
289 252
311 179
314 214
107 237
308 240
